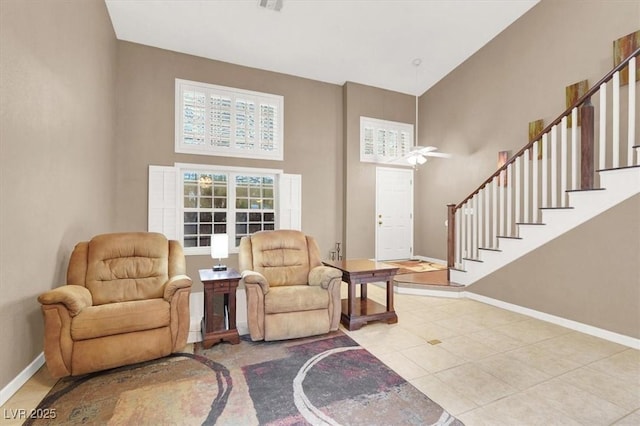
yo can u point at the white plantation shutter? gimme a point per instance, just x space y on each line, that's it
162 210
382 141
290 198
223 121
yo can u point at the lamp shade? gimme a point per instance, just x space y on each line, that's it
219 246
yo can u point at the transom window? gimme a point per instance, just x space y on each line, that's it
382 141
224 121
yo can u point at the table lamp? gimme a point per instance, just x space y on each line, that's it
219 250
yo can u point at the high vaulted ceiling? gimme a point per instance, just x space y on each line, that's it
372 42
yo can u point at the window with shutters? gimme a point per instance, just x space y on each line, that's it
191 202
228 122
383 141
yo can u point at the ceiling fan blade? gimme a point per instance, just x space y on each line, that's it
437 154
424 149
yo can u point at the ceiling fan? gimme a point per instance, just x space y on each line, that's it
418 155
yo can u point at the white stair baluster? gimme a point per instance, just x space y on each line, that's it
517 192
509 189
469 229
526 182
534 183
494 198
602 139
574 148
616 120
545 171
487 216
563 161
503 211
632 113
474 226
459 238
480 223
554 167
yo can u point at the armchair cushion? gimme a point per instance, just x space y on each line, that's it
119 318
127 266
282 257
295 298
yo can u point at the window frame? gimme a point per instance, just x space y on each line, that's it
233 150
231 172
386 126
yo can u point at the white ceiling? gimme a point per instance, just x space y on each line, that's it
372 42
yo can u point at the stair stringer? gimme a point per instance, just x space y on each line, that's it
619 185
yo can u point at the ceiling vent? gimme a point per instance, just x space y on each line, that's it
271 4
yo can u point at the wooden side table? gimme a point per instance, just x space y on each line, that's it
363 271
219 326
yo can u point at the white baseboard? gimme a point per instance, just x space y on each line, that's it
22 378
564 322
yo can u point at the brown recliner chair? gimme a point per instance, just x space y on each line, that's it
126 301
289 293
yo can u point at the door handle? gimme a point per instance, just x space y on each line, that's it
379 222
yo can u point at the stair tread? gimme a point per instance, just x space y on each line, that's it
556 208
488 249
511 238
530 223
618 168
457 269
585 190
472 260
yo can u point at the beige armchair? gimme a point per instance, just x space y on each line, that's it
126 301
289 293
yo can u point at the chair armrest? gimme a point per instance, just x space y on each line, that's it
174 284
74 297
252 277
323 275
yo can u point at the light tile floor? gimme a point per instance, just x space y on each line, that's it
492 367
496 367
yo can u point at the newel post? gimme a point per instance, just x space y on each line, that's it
451 238
586 148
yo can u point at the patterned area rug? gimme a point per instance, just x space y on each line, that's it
326 380
416 266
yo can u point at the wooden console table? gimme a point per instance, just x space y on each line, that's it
219 326
363 271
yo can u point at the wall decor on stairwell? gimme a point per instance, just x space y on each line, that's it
573 92
535 127
622 49
503 156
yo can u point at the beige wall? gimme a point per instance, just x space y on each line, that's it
145 135
57 100
601 286
484 106
360 178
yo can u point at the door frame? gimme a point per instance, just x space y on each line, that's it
377 201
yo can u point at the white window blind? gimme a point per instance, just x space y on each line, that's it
382 141
224 121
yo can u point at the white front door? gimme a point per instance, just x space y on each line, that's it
394 213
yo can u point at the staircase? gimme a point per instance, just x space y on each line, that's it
552 184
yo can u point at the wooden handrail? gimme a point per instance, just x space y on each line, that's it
595 88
